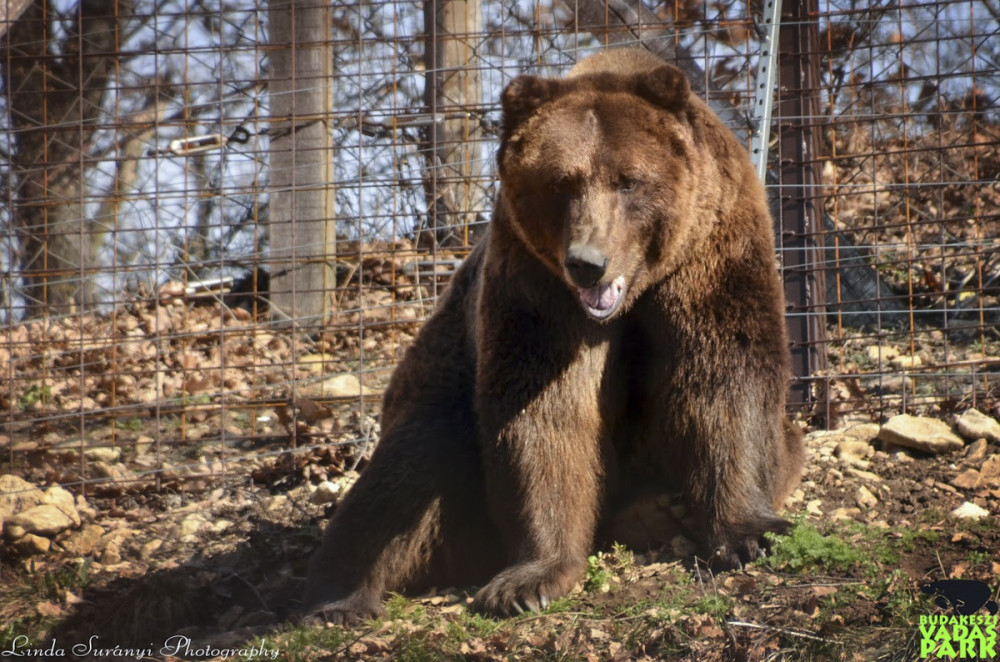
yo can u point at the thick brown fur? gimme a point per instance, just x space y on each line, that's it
617 340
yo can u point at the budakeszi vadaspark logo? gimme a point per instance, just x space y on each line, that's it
969 631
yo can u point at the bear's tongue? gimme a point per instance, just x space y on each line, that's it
602 300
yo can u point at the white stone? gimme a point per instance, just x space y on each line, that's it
969 510
31 544
16 495
973 424
879 352
920 433
326 492
102 454
864 498
44 520
906 362
342 386
64 501
191 524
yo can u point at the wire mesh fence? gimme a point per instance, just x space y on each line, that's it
177 181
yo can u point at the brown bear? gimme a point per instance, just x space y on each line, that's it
616 341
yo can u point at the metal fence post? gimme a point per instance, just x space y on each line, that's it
799 222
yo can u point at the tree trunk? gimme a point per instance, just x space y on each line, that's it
55 89
453 93
302 225
10 10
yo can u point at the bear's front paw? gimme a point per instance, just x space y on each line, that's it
349 611
742 545
526 587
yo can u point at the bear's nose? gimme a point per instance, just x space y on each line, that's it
586 265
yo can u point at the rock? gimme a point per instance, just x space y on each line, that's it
102 454
864 498
84 541
342 386
878 353
277 502
326 492
82 507
902 456
813 508
16 495
116 474
30 544
864 475
991 469
970 510
112 552
859 448
112 545
13 531
44 520
893 383
973 424
64 501
147 550
850 513
143 444
316 363
191 524
968 480
905 362
976 451
854 451
920 433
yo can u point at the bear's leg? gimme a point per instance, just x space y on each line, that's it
737 476
542 425
712 391
416 518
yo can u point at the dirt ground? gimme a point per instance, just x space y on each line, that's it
198 512
224 566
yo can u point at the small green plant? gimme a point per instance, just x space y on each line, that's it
805 548
34 394
399 607
12 630
298 644
54 583
979 557
598 575
604 567
195 400
133 424
714 605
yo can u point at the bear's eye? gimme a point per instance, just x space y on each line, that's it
562 185
627 184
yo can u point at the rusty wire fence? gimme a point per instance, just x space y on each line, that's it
210 254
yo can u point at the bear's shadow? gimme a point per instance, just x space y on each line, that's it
222 600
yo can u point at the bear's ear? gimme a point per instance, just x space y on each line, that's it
523 96
665 86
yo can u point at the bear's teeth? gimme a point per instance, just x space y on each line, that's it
603 300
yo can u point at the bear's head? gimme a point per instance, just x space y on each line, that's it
605 177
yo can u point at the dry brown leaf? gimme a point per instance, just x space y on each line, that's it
49 609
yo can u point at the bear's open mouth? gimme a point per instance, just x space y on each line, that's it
602 301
